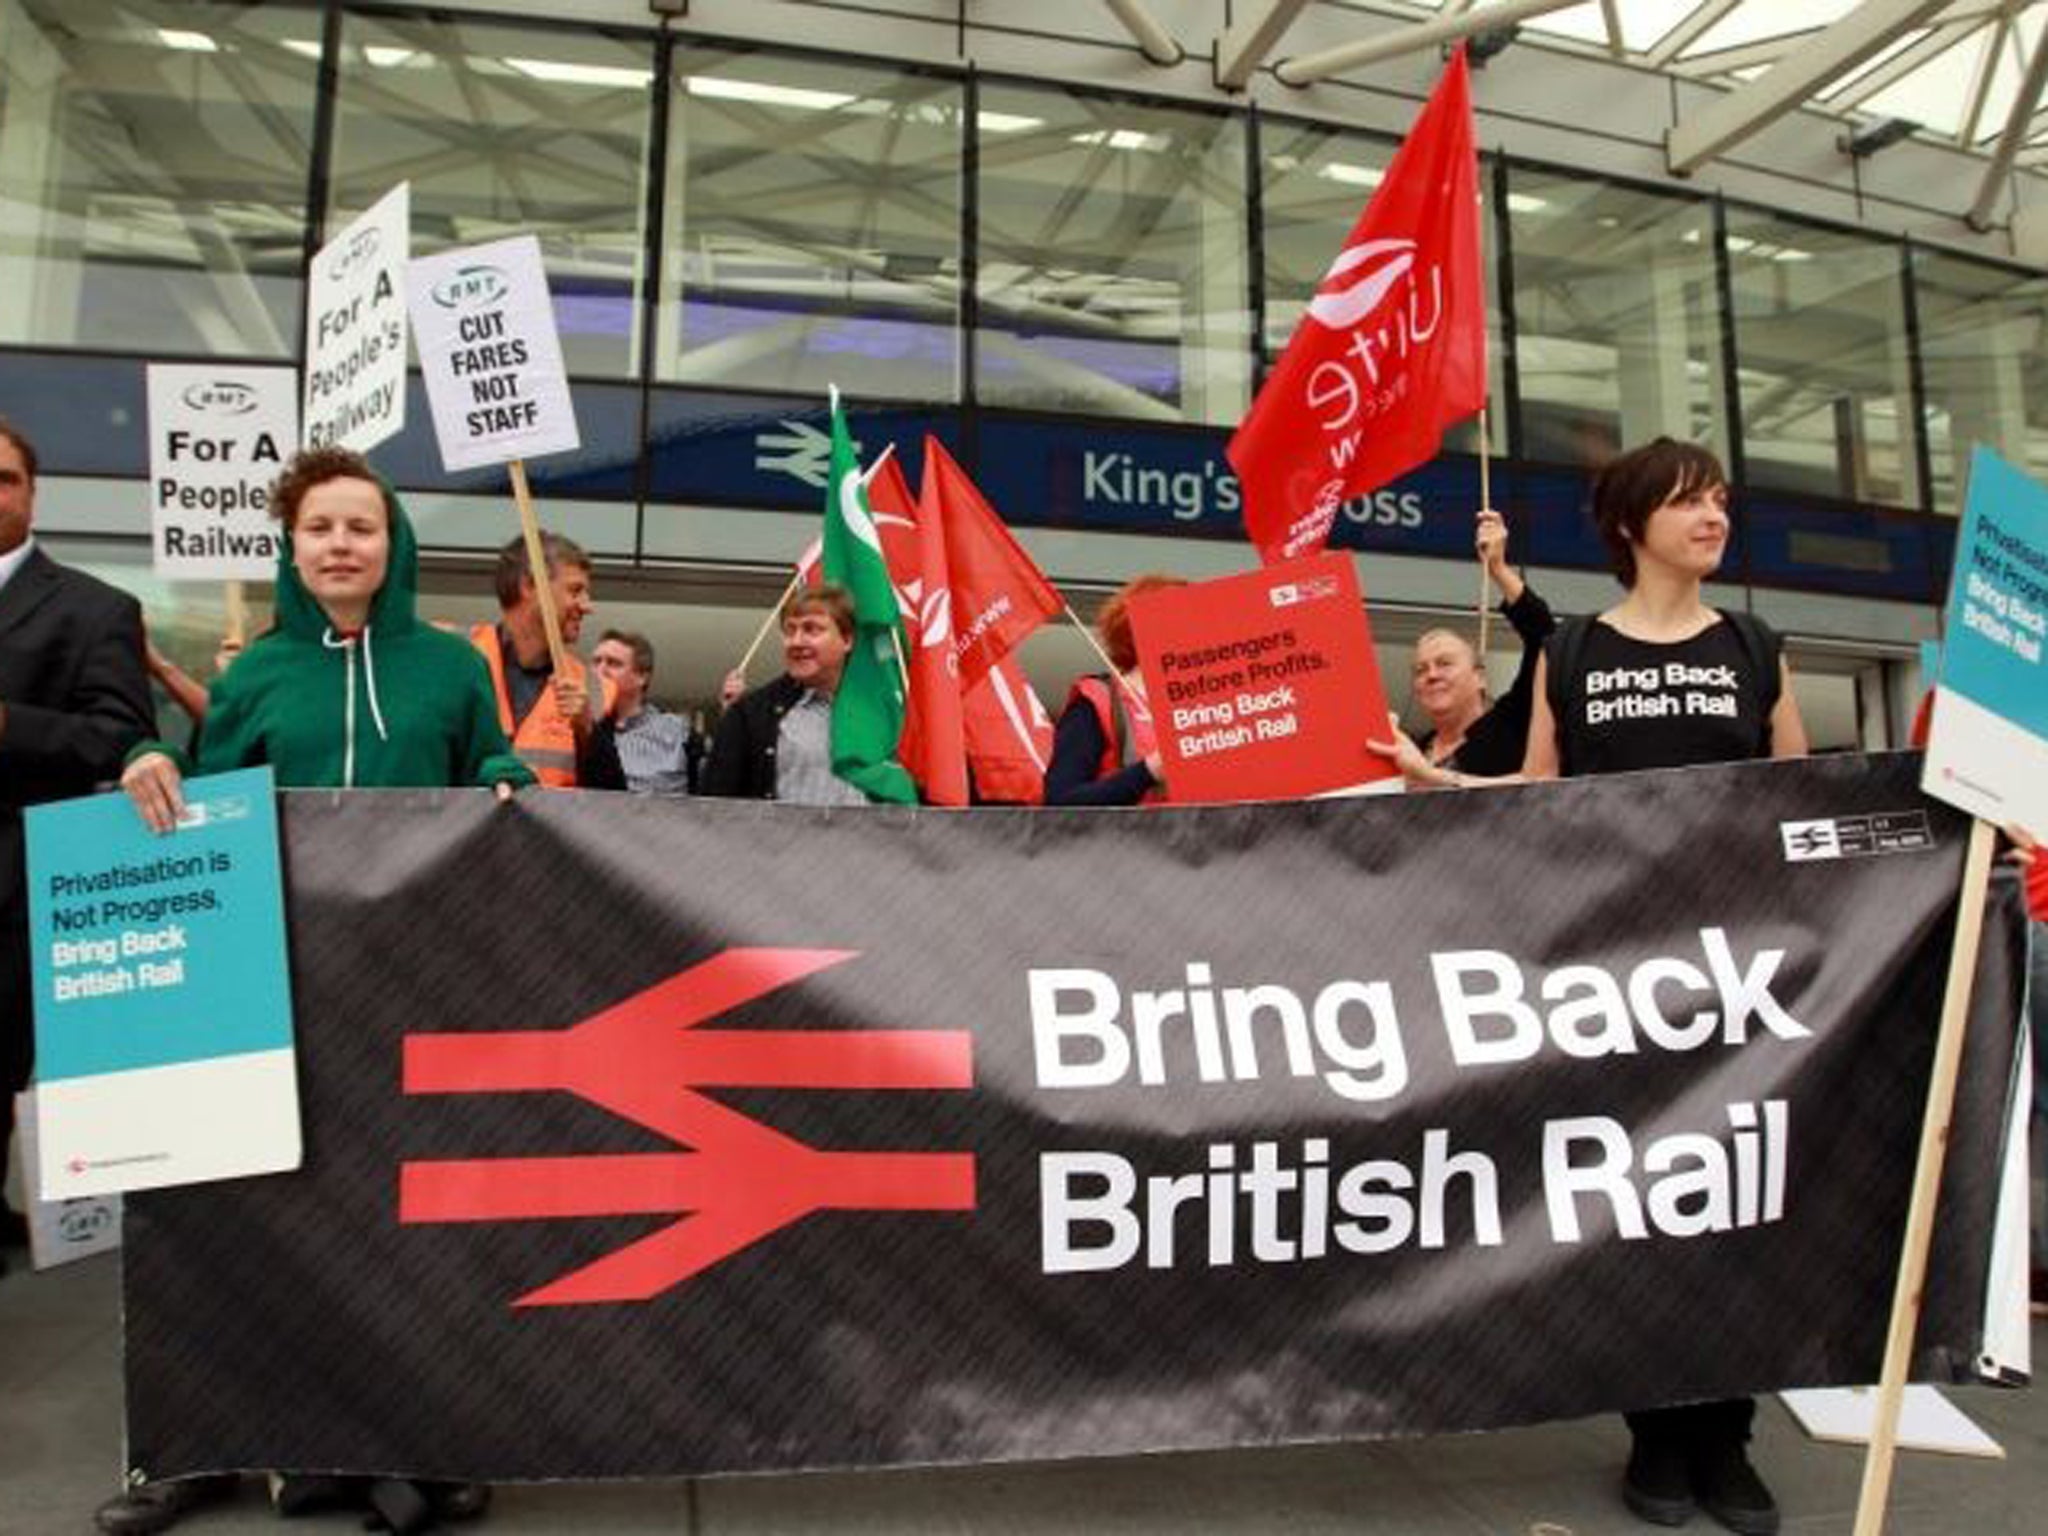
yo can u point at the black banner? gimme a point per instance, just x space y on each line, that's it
653 1138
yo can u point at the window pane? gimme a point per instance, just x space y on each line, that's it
1982 354
1821 356
153 174
502 131
1315 184
1114 275
812 230
1617 318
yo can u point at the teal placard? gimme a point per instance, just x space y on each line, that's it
1995 644
151 950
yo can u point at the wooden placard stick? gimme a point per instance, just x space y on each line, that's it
1934 1128
238 614
537 564
1485 505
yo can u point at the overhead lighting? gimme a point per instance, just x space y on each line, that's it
1006 122
1122 138
1526 202
382 56
305 48
190 42
1871 137
559 72
720 88
1352 175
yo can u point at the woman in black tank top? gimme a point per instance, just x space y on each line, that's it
1660 680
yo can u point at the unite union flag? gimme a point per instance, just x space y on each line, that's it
1390 351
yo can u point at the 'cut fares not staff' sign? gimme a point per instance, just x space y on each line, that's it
1263 686
217 439
489 354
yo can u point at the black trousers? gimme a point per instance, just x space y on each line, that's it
1694 1424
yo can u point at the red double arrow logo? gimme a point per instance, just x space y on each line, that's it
645 1060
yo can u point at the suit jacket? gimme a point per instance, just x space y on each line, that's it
76 694
742 760
75 689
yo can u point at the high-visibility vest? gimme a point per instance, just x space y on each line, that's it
544 740
1127 732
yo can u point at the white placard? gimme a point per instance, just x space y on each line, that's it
61 1231
217 438
356 329
485 330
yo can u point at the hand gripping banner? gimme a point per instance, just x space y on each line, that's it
652 1139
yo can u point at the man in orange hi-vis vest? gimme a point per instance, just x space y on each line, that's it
560 723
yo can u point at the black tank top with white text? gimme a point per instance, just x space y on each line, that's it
1649 704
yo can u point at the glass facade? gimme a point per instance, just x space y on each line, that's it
1113 257
1076 290
153 177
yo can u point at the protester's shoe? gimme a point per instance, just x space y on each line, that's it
1728 1488
400 1507
13 1228
305 1493
151 1507
1658 1483
456 1502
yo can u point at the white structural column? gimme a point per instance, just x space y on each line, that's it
39 278
2018 127
1154 41
1215 358
1311 67
1250 38
1865 31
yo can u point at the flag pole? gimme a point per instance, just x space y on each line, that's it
1934 1129
1485 505
1095 645
768 622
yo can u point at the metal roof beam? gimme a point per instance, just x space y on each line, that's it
1249 39
1688 32
2018 128
1947 35
1154 41
1800 74
1311 67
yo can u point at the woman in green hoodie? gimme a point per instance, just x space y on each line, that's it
350 690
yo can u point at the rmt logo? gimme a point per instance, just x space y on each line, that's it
471 288
647 1061
220 397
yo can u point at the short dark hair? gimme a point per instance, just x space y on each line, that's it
1113 623
555 549
316 466
1640 481
11 433
641 647
827 597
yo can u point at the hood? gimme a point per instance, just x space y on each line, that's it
392 611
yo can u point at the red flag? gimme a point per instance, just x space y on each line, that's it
1009 737
913 543
1391 350
999 593
810 565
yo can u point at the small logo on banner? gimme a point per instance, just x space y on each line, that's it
351 257
1855 837
207 813
1289 593
646 1060
222 397
800 451
471 288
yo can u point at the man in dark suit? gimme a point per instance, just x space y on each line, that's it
74 697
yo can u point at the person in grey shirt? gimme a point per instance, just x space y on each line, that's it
654 745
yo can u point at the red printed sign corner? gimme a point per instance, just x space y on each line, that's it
1263 686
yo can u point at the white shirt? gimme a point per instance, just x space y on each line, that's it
13 560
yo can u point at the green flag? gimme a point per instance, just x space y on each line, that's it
867 711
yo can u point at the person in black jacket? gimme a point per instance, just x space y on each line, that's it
74 697
1465 734
775 742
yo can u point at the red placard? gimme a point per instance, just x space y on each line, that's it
1263 686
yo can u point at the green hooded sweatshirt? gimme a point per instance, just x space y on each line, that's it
402 705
